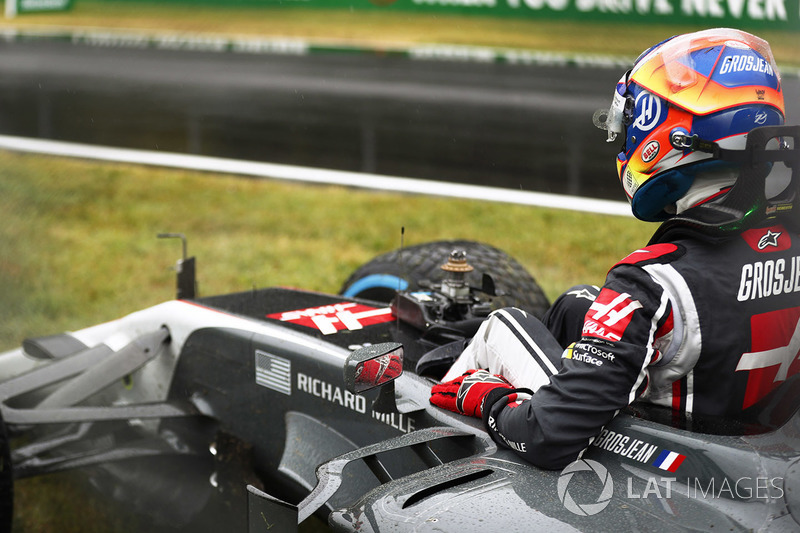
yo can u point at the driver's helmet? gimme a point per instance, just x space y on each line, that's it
715 84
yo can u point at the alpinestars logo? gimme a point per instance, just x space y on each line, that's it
770 239
584 293
609 315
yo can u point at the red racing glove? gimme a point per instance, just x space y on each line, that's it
466 393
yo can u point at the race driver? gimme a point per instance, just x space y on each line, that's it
705 320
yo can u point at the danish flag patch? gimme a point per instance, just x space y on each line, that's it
775 353
609 315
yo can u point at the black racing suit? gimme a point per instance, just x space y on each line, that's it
700 327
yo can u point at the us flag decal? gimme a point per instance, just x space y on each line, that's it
273 372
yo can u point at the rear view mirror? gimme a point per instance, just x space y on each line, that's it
373 366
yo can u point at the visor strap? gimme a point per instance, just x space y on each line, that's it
750 157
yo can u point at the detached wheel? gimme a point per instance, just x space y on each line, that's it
403 269
6 481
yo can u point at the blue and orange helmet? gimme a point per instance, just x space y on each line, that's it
716 85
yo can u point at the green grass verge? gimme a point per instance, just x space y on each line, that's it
79 239
385 27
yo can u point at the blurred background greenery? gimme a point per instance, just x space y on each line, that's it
389 28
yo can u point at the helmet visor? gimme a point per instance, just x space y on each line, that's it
679 64
710 70
670 68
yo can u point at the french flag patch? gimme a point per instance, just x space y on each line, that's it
669 461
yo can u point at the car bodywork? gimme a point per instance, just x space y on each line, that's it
239 412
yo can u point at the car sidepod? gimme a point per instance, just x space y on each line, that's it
637 476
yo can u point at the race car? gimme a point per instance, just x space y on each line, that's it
279 409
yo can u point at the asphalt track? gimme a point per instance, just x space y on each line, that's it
518 126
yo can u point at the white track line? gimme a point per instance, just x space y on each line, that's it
313 175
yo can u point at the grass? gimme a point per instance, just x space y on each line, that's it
385 27
79 239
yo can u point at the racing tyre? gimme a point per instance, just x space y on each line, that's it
380 278
6 481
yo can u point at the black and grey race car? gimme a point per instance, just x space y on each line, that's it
270 409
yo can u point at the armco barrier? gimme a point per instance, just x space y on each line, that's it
743 14
314 175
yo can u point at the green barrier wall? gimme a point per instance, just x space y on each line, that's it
743 14
14 7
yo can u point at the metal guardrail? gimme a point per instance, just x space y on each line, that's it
314 175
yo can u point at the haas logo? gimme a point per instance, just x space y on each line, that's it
329 319
649 108
609 315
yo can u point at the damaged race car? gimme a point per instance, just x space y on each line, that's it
275 408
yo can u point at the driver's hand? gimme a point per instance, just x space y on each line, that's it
466 393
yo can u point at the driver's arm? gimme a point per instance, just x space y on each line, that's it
602 373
